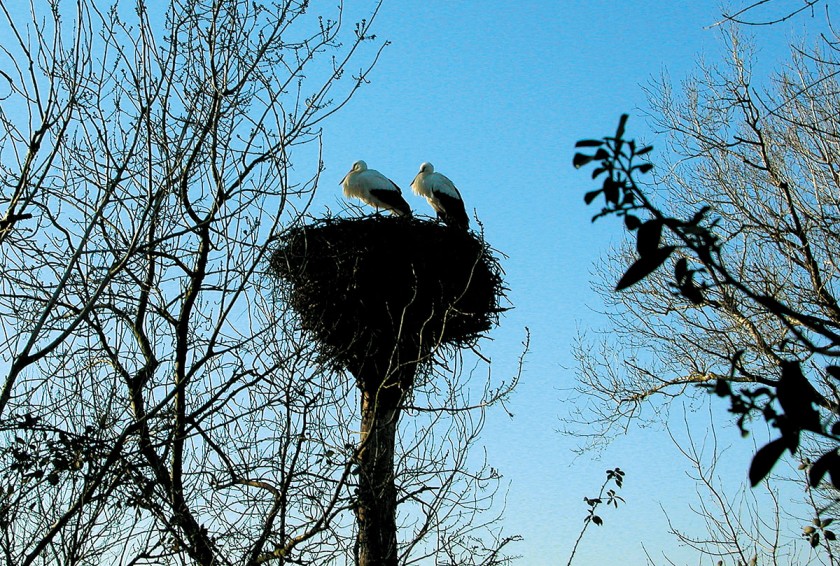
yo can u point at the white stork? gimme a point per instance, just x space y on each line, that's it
375 189
442 195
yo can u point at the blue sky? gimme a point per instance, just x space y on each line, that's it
495 94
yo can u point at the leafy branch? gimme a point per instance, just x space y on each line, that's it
605 495
788 401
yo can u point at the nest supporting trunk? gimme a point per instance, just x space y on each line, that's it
380 294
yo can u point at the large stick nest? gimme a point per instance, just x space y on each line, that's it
369 288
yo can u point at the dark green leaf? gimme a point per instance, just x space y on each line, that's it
693 293
589 143
644 167
834 473
611 189
814 540
590 196
829 535
632 222
722 388
791 438
680 269
769 413
598 171
649 235
833 371
643 267
581 159
765 459
622 122
597 520
821 466
644 150
796 395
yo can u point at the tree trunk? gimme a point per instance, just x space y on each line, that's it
376 511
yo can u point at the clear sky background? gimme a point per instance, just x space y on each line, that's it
495 94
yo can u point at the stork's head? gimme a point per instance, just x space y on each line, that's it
427 168
357 168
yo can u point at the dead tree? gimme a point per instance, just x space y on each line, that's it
381 296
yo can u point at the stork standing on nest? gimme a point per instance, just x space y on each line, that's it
442 195
375 189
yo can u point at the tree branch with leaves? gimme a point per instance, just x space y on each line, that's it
699 274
